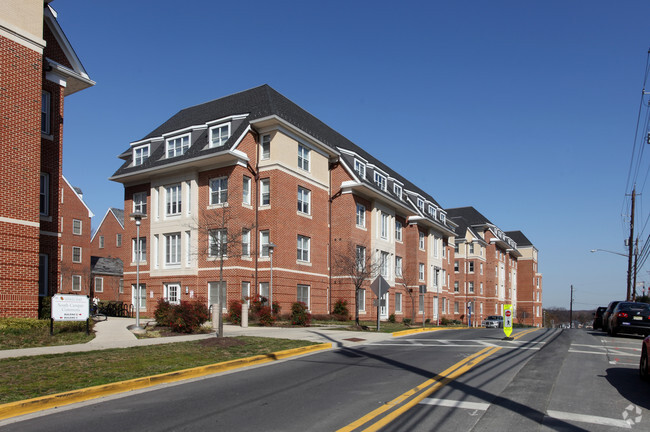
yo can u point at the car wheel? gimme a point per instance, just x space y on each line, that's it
612 331
643 365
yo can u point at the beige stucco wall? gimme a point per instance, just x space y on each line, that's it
23 17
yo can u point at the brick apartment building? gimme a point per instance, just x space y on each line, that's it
39 68
229 185
529 281
107 240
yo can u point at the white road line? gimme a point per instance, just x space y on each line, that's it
455 404
603 353
583 418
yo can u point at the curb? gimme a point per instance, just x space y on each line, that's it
14 409
424 330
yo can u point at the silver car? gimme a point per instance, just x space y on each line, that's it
493 321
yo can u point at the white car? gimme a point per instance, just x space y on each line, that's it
493 321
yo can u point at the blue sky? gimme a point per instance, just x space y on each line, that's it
525 110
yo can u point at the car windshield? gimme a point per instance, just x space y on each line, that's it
633 307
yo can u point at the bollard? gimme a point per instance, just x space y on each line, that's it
244 315
215 317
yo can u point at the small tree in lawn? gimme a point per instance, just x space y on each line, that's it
355 264
409 279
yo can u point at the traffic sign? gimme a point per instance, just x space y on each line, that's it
379 286
507 319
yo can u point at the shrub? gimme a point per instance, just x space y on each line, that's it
163 312
45 311
235 308
406 321
427 321
264 316
340 308
391 318
444 321
186 317
299 314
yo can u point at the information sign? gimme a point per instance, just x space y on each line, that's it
507 319
70 307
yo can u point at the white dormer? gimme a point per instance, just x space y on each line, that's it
219 134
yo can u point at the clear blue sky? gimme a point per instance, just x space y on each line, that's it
525 110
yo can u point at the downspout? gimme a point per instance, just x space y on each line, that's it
256 172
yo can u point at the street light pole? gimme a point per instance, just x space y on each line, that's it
271 248
138 252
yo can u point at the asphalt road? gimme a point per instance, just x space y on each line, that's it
444 381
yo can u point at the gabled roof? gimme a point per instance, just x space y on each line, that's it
77 194
118 214
475 220
106 266
519 238
470 214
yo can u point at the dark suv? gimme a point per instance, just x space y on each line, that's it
607 313
630 317
598 317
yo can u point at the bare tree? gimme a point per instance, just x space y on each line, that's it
355 264
409 281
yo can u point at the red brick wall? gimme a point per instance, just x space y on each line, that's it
109 229
71 208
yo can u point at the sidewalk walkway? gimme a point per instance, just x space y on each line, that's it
114 333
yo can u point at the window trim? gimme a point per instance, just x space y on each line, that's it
143 250
303 286
263 243
139 160
44 208
265 154
173 240
265 182
247 182
139 199
397 190
216 243
75 248
360 168
222 141
218 191
304 155
177 204
183 147
303 249
398 230
361 211
305 203
101 284
77 278
380 180
78 231
46 112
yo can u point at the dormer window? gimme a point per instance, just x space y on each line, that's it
380 181
178 146
420 203
360 168
140 155
219 135
397 189
443 218
432 211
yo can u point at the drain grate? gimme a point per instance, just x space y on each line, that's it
354 339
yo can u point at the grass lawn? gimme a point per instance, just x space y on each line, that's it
27 333
29 377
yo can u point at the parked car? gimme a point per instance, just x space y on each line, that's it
598 317
630 317
607 314
495 321
644 366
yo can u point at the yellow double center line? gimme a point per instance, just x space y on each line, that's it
408 400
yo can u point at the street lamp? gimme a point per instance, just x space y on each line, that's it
271 248
605 250
138 252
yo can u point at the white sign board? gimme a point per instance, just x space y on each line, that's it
70 307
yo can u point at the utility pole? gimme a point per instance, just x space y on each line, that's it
630 245
571 309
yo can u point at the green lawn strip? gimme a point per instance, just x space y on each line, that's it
18 333
29 377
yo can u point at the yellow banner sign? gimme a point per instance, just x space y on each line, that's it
507 319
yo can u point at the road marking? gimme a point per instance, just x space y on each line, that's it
603 353
583 418
456 404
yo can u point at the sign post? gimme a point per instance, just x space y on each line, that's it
507 320
380 287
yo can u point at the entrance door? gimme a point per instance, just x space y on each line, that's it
383 310
213 294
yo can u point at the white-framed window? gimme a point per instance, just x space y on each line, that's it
302 294
246 190
362 300
420 202
173 249
219 190
218 243
118 240
44 203
456 267
216 289
265 192
421 236
481 267
76 283
398 266
304 200
45 112
443 218
470 267
178 146
140 154
102 242
361 215
436 246
173 199
140 202
264 243
398 302
361 258
456 247
444 305
303 157
246 242
266 147
383 225
470 248
76 226
432 211
264 291
398 230
76 254
397 189
303 248
380 181
421 272
481 288
456 307
456 286
140 301
219 134
173 293
470 287
99 284
383 264
120 288
142 250
360 168
245 290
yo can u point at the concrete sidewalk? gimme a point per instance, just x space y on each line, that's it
114 333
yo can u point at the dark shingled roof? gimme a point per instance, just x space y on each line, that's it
519 238
119 214
470 214
106 266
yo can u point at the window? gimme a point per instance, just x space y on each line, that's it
455 307
217 293
380 181
219 190
420 204
76 254
173 200
76 283
302 294
361 215
398 266
245 291
76 227
456 287
45 194
421 273
383 226
361 258
360 168
246 242
398 230
178 146
118 240
303 157
362 300
481 267
470 248
140 295
456 247
456 267
470 286
266 147
142 250
398 302
303 248
101 242
173 249
140 155
421 240
432 211
264 243
173 293
304 200
140 202
443 218
481 288
121 286
383 264
218 243
470 266
45 113
436 246
265 192
397 189
99 284
264 291
246 191
219 135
